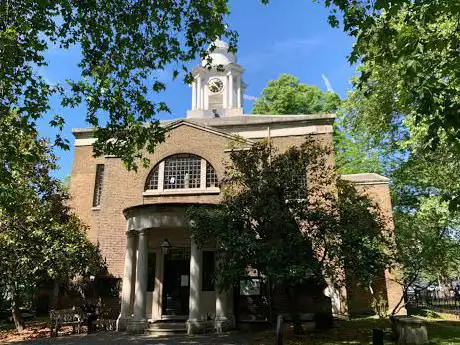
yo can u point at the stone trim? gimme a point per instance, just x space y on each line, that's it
189 191
366 179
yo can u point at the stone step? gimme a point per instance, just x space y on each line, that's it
166 327
175 317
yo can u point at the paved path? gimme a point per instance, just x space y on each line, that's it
121 339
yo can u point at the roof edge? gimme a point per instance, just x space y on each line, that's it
366 178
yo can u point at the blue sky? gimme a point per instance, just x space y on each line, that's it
273 39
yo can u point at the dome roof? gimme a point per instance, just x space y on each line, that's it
220 55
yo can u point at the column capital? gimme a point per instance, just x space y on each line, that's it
142 232
131 233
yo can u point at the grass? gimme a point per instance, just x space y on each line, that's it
442 330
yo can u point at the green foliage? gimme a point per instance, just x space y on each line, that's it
287 95
410 71
354 154
40 238
269 220
422 179
123 44
428 242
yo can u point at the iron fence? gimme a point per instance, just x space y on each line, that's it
435 299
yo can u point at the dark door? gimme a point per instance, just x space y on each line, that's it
176 280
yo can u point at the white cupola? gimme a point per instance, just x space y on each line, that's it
217 90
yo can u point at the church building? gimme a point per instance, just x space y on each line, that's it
138 218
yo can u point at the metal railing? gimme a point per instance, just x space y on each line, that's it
439 300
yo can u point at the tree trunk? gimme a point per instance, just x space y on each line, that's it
293 309
17 317
55 296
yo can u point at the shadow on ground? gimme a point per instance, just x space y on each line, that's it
121 339
359 331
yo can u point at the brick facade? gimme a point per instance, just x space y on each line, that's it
208 139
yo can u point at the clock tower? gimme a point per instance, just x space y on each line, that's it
217 91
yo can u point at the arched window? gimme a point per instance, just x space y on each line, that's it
182 172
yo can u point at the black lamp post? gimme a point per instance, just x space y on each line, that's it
165 246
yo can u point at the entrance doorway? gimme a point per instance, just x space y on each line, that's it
176 282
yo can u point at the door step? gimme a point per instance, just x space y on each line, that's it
174 318
166 327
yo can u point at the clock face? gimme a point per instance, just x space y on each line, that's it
215 85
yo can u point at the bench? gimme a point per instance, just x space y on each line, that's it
409 330
65 317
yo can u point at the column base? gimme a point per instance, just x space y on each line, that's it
223 324
196 326
122 323
136 326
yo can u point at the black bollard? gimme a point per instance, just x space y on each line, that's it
377 336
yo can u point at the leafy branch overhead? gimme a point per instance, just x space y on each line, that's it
122 44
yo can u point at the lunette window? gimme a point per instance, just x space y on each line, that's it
182 171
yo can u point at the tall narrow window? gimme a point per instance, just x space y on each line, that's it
151 267
98 185
209 271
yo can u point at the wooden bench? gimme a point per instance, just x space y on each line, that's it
409 330
65 317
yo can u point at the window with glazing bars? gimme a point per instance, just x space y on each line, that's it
299 190
182 172
211 177
152 179
98 185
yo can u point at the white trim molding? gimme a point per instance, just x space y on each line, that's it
189 191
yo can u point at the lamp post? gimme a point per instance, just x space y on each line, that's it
165 246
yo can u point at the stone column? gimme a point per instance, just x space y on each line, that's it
225 94
198 93
193 95
127 288
224 318
238 95
230 91
138 324
195 322
205 98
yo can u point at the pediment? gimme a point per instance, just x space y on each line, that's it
186 123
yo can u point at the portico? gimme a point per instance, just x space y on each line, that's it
159 283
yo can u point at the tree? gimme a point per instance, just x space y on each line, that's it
270 220
287 95
354 154
409 67
422 181
40 238
428 245
123 44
